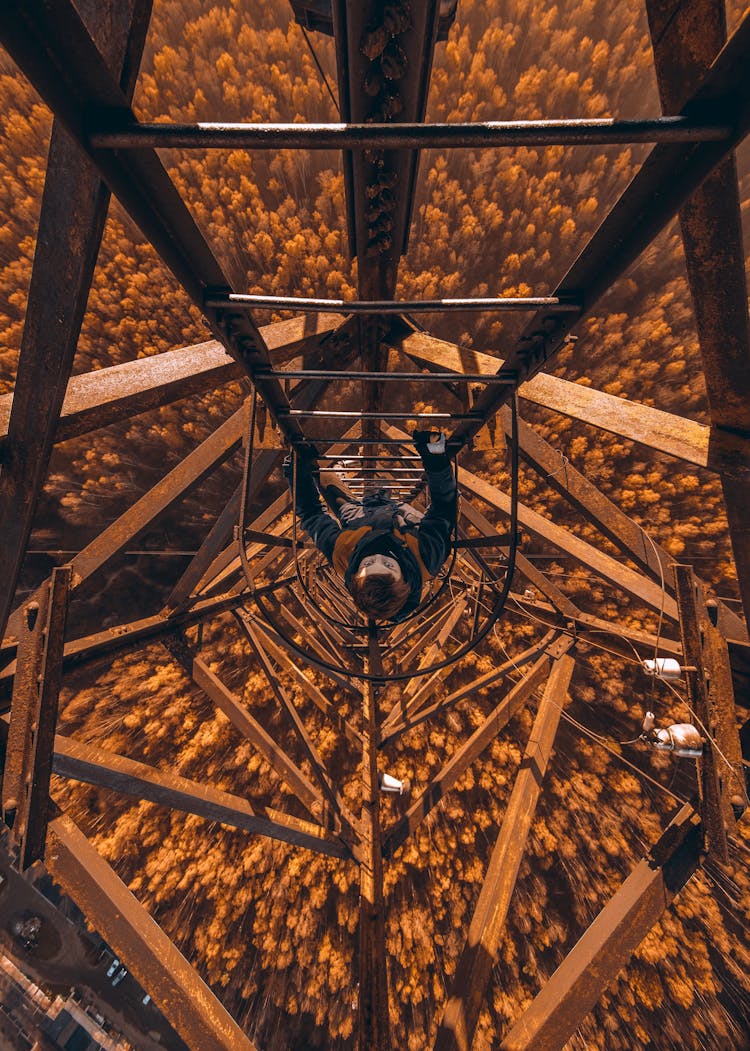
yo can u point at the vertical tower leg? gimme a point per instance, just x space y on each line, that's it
374 1023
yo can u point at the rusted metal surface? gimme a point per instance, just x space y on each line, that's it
670 174
97 399
685 45
508 304
406 135
125 636
53 48
618 527
411 50
181 480
285 662
606 947
663 431
74 208
696 678
243 721
177 989
220 533
721 701
338 810
374 1022
33 719
617 574
489 678
523 566
475 964
516 698
226 565
97 766
281 643
417 689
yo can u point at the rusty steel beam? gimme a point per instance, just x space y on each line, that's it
610 569
602 131
714 810
445 615
226 564
219 534
51 45
412 48
181 480
374 1022
338 809
214 542
488 679
560 601
281 644
97 399
684 47
668 177
512 703
619 638
614 572
456 1030
243 721
177 989
285 662
618 527
414 691
92 765
71 223
663 431
600 954
126 636
33 718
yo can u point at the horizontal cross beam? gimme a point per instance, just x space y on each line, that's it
96 766
240 301
603 131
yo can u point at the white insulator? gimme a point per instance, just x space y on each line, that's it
648 722
680 739
663 668
529 594
390 784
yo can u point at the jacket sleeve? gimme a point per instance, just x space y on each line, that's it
321 527
436 527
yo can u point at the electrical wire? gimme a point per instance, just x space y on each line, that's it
636 769
320 69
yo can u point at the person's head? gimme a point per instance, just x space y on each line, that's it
378 586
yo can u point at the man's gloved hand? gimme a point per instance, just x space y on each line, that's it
431 446
307 459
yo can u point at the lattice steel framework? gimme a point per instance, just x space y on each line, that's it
84 66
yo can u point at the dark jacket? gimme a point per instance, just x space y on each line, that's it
420 548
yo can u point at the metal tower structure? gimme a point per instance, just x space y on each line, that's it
83 59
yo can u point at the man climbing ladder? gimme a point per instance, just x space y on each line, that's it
385 550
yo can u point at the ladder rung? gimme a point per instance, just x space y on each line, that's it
360 456
330 414
242 301
338 440
509 379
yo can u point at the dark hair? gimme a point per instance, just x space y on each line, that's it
379 595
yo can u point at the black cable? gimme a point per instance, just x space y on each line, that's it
320 70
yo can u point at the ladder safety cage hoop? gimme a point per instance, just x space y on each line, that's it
501 593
